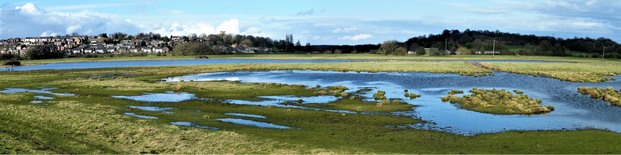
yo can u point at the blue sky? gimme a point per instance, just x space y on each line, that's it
314 21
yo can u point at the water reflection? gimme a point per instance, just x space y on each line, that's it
167 96
244 115
252 123
139 116
572 110
190 124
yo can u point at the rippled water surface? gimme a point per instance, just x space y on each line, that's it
572 110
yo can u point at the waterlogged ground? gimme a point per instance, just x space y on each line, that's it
131 110
572 110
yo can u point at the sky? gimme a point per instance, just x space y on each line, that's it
315 21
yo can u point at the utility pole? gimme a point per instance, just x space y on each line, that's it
445 44
494 48
603 52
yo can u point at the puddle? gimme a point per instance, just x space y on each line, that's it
252 123
36 102
151 108
304 100
139 116
572 110
167 96
190 124
245 115
43 98
40 91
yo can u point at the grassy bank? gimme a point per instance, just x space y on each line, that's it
93 121
589 71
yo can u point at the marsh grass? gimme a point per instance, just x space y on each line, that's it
498 102
92 122
609 94
358 105
575 72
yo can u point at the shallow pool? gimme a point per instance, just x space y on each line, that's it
572 110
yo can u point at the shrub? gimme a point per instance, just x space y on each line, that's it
379 95
12 63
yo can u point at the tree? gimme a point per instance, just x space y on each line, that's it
400 51
246 43
389 47
48 51
193 48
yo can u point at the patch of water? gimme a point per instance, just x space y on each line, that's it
305 100
36 102
142 63
572 110
43 98
151 108
245 115
168 96
190 124
40 91
252 123
139 116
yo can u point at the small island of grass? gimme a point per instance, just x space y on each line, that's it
609 94
498 102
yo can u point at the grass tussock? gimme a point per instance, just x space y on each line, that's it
609 94
498 102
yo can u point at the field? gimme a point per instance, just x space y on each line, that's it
94 122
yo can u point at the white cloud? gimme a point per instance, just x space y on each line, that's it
357 37
346 29
87 6
230 26
28 20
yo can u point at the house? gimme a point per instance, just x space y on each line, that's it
158 50
492 52
76 50
146 50
133 50
100 50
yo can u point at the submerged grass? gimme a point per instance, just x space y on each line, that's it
497 102
609 94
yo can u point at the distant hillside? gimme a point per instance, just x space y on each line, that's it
514 43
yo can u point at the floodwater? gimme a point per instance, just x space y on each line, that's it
572 109
151 108
47 91
139 116
244 115
167 96
190 124
142 63
189 62
252 123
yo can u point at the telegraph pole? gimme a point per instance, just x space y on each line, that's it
494 48
445 44
603 52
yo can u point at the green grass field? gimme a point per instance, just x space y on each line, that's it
93 121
